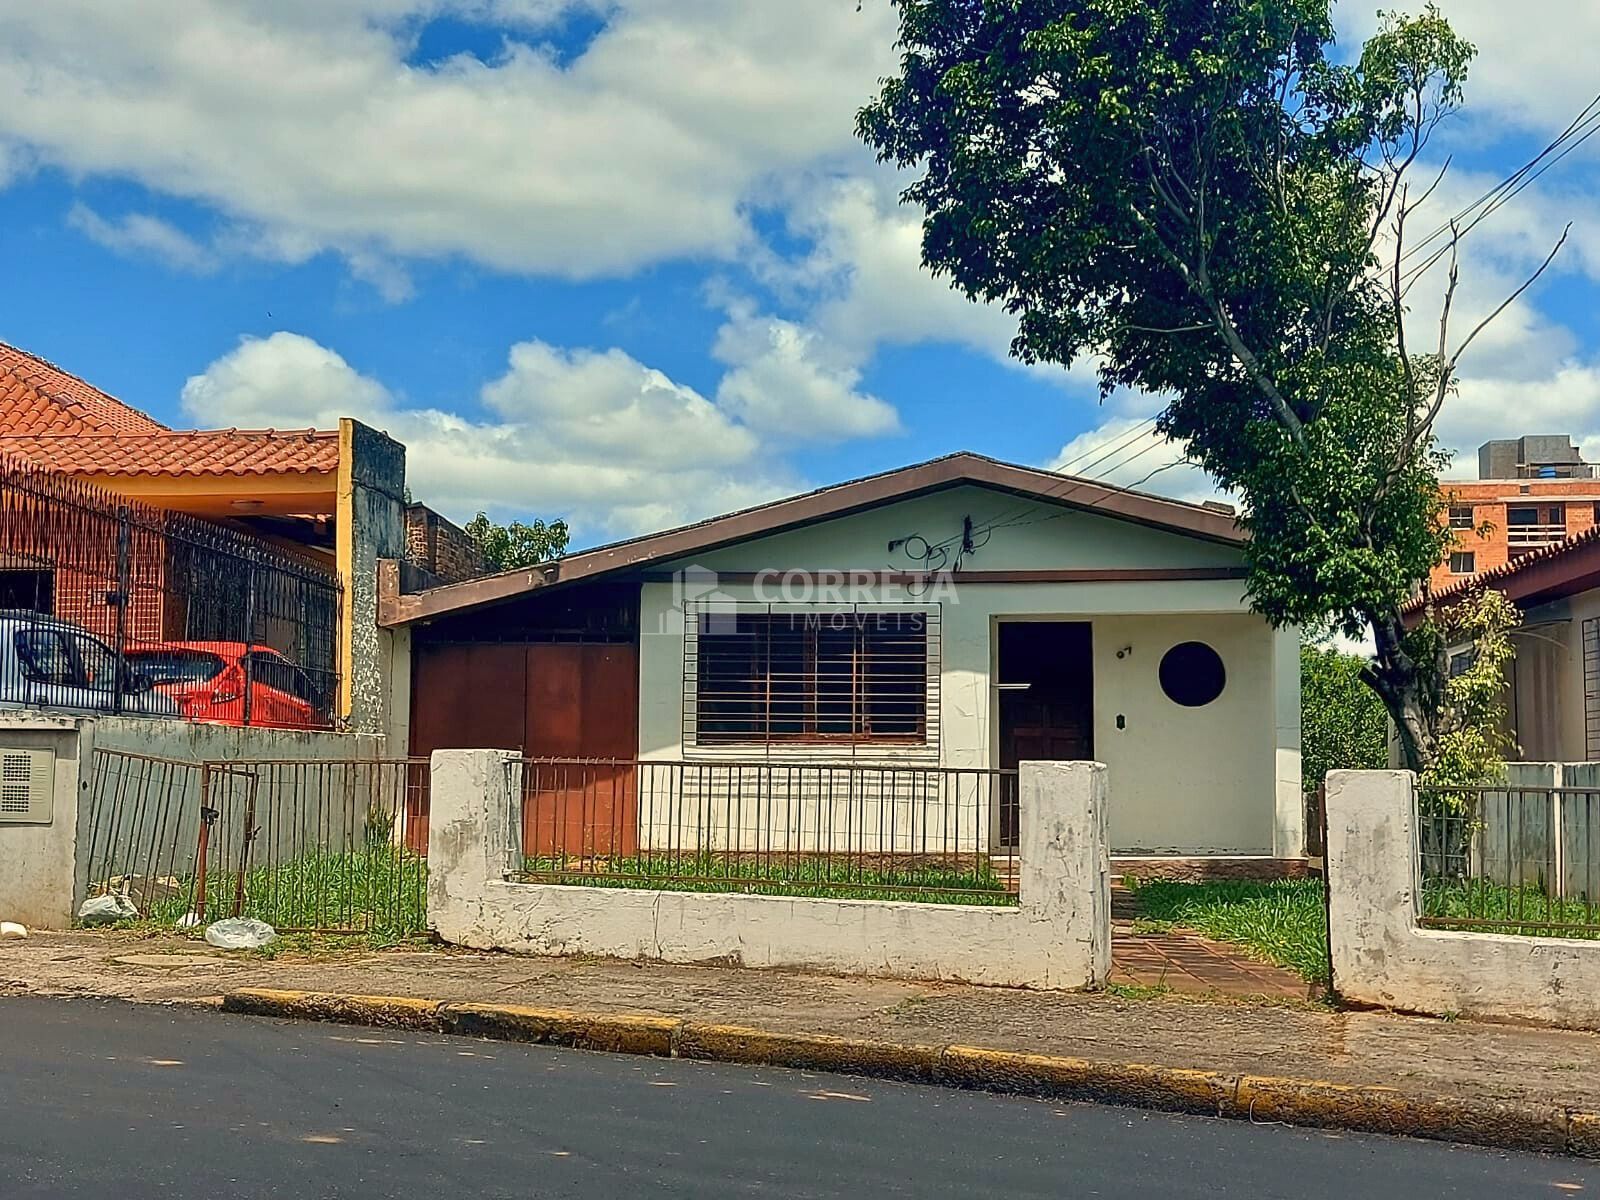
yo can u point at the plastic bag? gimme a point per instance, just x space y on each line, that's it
107 910
240 933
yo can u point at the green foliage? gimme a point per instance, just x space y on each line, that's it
1343 725
1191 194
1281 922
507 547
1474 739
1527 910
380 891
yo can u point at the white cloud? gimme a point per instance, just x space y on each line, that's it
308 118
787 381
594 436
139 235
286 381
1527 71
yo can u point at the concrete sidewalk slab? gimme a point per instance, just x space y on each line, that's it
1294 1051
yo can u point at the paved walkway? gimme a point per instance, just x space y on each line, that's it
1186 962
1494 1062
1182 961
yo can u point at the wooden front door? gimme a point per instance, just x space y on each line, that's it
1046 703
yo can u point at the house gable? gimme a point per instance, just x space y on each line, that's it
1009 533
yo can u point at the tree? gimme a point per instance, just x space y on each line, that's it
1343 726
1195 194
507 547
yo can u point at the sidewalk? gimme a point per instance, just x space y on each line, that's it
1536 1070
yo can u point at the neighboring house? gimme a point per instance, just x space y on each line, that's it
1554 682
332 496
1062 619
1530 493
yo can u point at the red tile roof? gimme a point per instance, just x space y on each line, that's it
59 421
39 397
183 452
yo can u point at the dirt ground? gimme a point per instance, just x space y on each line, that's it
1499 1062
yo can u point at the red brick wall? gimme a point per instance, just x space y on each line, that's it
439 547
1491 498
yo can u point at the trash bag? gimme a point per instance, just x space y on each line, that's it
240 933
107 910
189 920
12 929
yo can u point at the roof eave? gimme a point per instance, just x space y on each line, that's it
839 500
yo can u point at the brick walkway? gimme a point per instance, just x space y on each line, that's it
1186 962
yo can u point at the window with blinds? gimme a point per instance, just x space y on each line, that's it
824 676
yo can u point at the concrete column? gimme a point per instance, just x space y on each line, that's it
1289 821
44 866
1371 876
1065 849
473 837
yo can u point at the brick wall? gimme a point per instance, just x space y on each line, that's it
441 547
1489 500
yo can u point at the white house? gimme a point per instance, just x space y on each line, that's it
961 613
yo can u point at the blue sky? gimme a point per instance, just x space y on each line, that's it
617 260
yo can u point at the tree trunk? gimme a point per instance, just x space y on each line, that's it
1405 689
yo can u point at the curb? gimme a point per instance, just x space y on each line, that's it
1310 1103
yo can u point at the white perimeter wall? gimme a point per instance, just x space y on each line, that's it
1059 936
1220 779
1382 957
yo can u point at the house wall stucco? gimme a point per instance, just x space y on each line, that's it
1224 778
1057 937
1382 957
1547 695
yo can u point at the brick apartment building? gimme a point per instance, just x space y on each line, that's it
1531 492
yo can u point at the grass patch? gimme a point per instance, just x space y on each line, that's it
377 895
803 875
1524 910
1281 921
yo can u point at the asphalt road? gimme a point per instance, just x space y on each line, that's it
104 1099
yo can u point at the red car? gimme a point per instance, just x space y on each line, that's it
207 679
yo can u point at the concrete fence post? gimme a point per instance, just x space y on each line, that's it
1066 859
44 858
473 836
1371 872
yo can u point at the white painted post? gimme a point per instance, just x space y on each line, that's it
1065 851
473 836
1371 870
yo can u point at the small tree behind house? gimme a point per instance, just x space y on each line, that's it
507 547
1207 203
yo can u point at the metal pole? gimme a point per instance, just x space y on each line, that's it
249 634
208 815
120 599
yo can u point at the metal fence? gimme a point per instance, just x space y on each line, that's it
1513 859
886 831
108 605
327 846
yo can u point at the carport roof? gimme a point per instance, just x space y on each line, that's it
1213 523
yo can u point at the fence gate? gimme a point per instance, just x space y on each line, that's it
303 845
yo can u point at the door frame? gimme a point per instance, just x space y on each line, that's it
996 620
